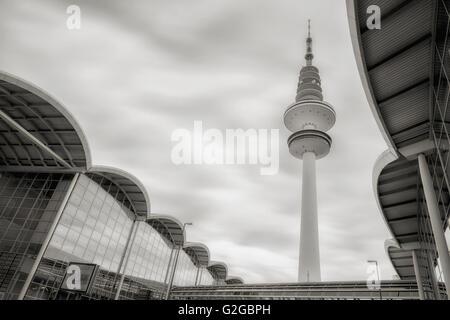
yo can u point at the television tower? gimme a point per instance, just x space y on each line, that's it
309 118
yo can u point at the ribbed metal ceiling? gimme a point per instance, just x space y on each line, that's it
400 66
218 269
198 253
41 120
169 227
131 188
402 262
398 60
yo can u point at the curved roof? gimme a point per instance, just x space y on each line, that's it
198 252
401 260
399 66
234 280
169 227
397 186
131 187
219 270
36 130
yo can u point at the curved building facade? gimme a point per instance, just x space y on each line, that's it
404 67
71 230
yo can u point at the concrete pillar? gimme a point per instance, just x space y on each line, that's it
196 276
309 265
435 219
127 253
169 265
434 283
418 276
172 275
200 276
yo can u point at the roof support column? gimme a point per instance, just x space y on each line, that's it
432 274
126 256
33 139
418 276
200 275
435 219
172 275
169 264
196 277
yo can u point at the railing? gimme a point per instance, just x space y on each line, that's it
389 290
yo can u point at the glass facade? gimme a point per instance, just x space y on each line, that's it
149 255
186 271
93 228
96 226
439 160
28 205
57 210
205 278
148 264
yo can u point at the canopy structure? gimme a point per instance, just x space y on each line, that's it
219 270
129 185
234 280
398 65
198 252
36 131
402 260
39 134
405 80
169 227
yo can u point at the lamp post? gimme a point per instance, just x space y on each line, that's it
169 286
378 275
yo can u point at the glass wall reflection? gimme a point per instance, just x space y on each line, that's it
96 227
28 205
93 228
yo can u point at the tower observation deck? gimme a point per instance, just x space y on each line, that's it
309 118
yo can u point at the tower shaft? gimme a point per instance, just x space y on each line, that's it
309 266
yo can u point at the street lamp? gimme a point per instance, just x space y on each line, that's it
169 286
378 275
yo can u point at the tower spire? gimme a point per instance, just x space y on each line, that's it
309 55
309 84
309 28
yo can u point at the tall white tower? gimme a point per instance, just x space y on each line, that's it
309 118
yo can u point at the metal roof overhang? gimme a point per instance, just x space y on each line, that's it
234 280
169 227
219 270
198 253
38 134
36 131
397 65
131 187
401 260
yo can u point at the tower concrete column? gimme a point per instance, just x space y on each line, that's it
309 266
417 273
435 219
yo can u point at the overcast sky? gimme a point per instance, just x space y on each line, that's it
137 70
